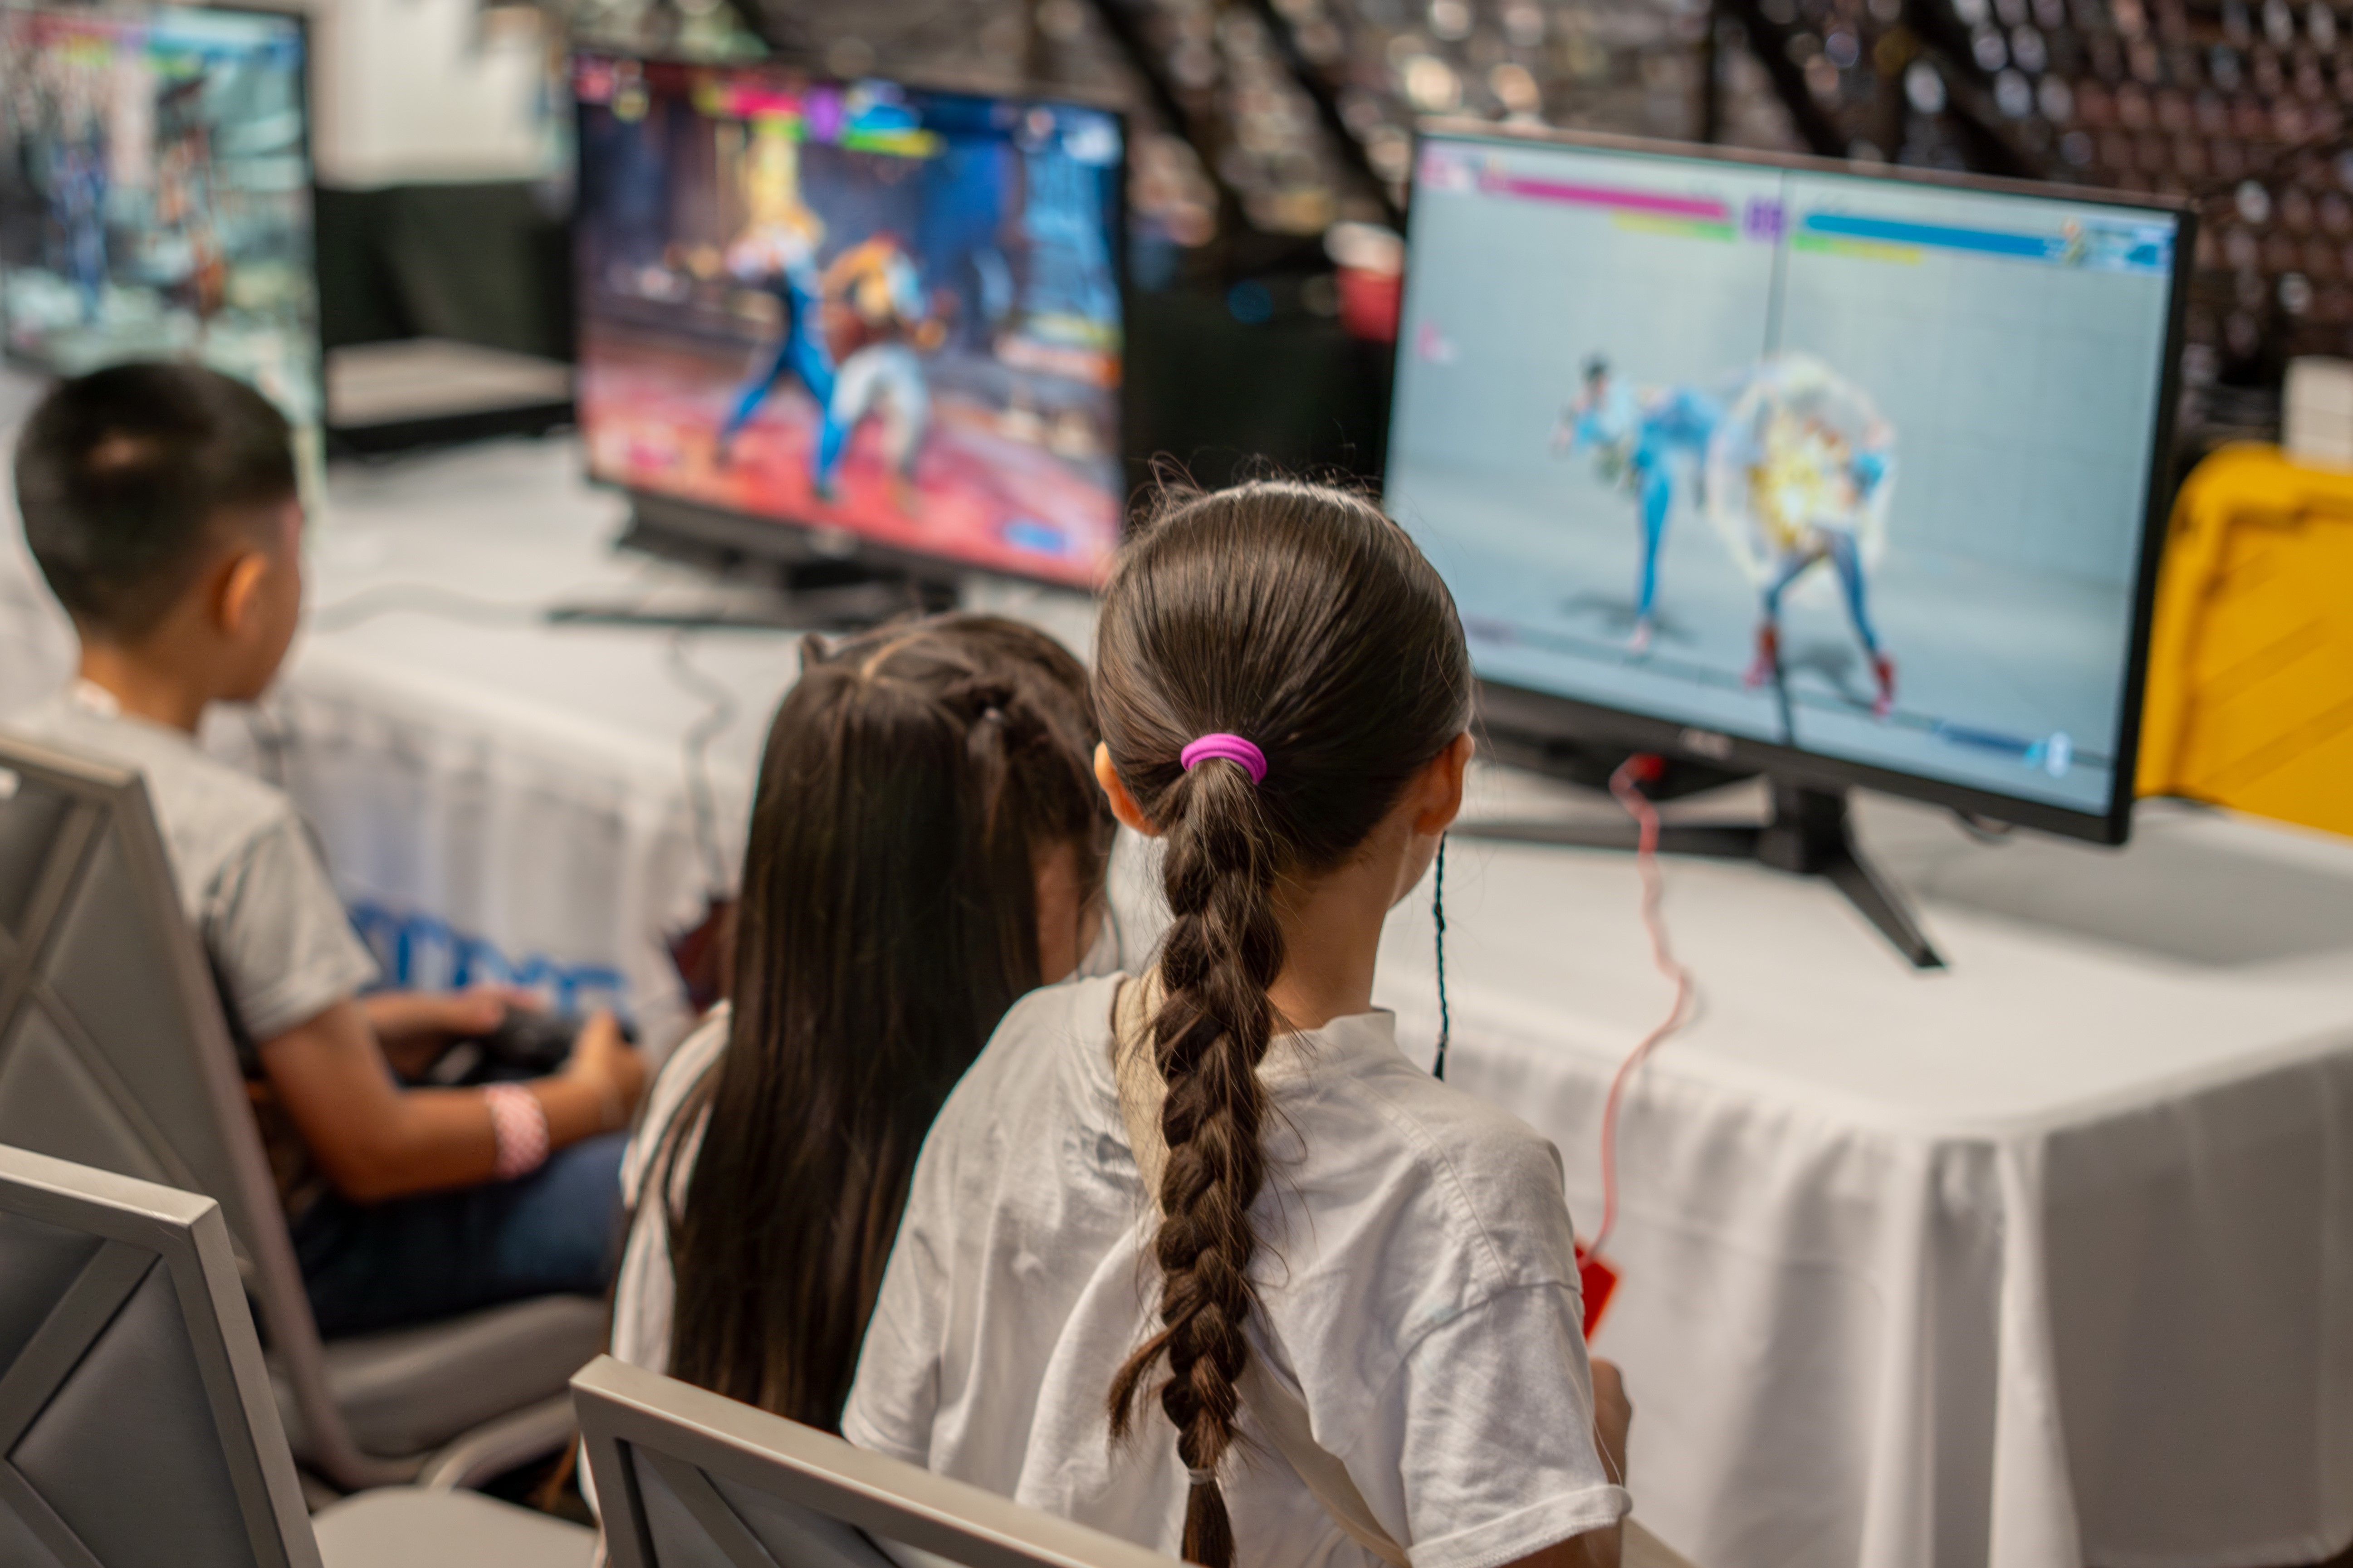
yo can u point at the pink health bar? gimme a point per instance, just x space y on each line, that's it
1608 196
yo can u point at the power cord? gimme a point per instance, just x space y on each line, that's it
454 605
1625 785
718 715
423 599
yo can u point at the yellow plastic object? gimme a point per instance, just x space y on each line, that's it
2251 656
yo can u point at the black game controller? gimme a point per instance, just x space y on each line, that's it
527 1043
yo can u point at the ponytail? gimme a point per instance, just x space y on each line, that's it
1222 952
1302 619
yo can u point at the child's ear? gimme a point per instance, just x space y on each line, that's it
1441 783
1123 805
239 600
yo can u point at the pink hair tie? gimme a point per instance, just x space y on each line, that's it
1233 747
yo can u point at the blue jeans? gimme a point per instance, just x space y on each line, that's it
379 1266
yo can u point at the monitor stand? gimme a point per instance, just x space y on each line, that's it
748 578
1810 832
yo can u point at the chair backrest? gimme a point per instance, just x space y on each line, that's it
137 1427
113 1052
687 1478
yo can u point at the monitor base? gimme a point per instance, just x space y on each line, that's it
765 577
390 397
1809 834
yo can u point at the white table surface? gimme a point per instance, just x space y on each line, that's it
2045 1257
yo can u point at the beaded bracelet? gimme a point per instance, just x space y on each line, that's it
519 1125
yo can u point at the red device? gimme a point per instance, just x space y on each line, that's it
1595 1280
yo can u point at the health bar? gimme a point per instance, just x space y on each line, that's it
1935 235
1680 227
1653 203
1866 249
739 99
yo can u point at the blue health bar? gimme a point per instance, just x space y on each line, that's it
1985 241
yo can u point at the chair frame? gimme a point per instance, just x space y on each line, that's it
688 1432
107 797
141 1225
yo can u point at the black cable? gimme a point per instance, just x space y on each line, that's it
451 604
1438 918
702 805
423 599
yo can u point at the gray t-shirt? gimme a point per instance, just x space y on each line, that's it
250 875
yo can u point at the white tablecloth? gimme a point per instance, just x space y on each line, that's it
2045 1258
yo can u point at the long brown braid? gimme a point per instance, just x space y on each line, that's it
1302 619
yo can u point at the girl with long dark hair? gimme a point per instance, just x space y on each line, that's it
1199 1257
927 843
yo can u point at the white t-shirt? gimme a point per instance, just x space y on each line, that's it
1416 1275
645 1292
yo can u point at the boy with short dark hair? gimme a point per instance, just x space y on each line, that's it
160 501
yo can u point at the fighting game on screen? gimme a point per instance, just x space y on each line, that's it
155 195
889 312
1843 464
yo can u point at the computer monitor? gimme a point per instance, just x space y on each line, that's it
890 318
155 195
1847 474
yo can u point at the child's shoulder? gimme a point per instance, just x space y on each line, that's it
197 796
1062 1011
1469 1176
1052 1031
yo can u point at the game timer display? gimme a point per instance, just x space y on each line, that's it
888 313
1852 478
155 195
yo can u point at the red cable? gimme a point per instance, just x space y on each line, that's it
1622 784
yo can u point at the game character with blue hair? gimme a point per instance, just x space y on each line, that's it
1640 438
781 256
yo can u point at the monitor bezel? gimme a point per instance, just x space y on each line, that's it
308 96
792 541
1548 715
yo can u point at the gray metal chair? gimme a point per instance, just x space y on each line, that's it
114 1054
137 1427
686 1479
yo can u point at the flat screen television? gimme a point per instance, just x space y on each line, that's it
155 195
1844 474
870 321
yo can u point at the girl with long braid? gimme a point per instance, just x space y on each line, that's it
1199 1257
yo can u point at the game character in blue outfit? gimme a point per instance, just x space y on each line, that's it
1636 435
782 258
78 203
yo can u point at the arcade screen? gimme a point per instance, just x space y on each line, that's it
854 306
155 195
1855 466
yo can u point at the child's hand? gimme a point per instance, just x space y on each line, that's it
601 1061
414 1027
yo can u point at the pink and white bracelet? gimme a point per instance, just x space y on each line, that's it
519 1125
